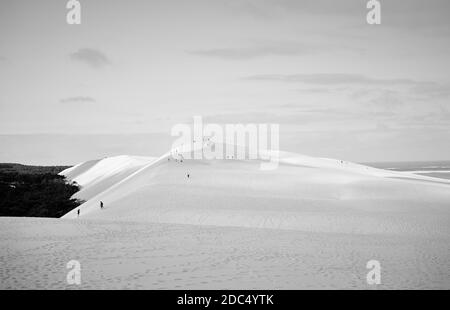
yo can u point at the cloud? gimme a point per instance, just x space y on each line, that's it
332 79
243 53
93 58
431 91
315 90
387 99
287 114
77 99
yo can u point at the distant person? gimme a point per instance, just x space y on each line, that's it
101 204
78 212
188 175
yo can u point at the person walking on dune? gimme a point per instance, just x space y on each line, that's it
78 212
101 204
187 175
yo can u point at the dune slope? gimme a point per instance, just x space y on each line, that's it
98 175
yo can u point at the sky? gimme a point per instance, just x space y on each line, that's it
118 82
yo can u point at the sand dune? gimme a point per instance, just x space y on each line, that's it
303 193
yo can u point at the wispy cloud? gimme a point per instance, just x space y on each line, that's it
92 57
315 90
333 79
432 91
387 99
77 99
242 53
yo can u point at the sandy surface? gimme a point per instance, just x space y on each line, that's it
122 255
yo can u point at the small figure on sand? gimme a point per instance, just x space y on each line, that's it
101 204
78 212
187 175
